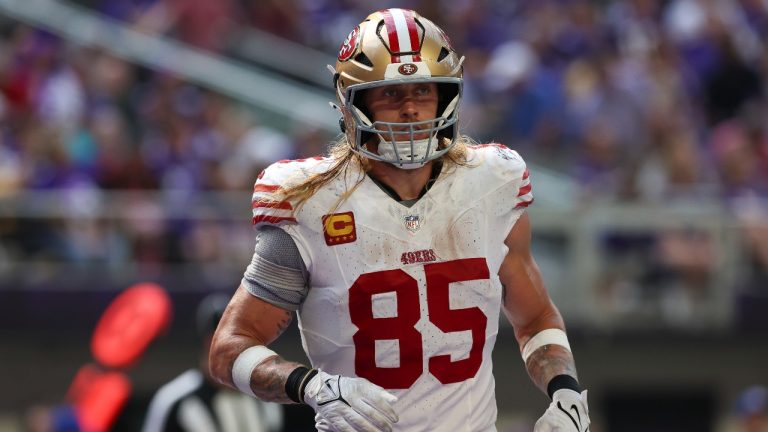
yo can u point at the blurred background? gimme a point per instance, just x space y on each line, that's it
131 132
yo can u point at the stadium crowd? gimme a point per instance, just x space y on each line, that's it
649 101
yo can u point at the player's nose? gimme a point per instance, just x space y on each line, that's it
409 109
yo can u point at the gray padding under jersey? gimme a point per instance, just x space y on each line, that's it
277 273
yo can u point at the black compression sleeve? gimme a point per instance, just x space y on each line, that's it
309 375
293 383
562 382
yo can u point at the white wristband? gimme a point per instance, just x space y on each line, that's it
244 365
545 337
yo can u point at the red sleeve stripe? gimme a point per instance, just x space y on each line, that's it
271 219
526 174
524 203
524 190
282 205
259 187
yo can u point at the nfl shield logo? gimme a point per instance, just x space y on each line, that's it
412 223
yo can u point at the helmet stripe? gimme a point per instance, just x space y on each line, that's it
413 34
394 43
404 39
403 34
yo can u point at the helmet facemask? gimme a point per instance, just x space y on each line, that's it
401 143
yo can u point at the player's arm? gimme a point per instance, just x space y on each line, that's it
530 310
250 322
274 286
540 332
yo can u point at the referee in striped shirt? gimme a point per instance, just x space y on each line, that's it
192 402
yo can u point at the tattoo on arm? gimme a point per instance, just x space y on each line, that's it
268 379
547 362
284 322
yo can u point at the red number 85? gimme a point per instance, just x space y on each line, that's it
401 327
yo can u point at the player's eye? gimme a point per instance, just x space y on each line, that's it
423 90
391 92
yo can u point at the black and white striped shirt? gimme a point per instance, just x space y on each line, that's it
190 403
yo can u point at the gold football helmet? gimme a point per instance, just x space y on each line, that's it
398 46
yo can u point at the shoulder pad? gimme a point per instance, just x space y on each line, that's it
507 167
266 204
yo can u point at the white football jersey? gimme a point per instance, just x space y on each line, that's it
408 298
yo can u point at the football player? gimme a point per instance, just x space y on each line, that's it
396 253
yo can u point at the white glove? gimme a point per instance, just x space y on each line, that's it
346 404
321 424
568 412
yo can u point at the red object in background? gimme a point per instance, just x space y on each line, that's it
126 328
84 377
130 323
15 86
98 397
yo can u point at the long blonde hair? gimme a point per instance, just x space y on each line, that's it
344 158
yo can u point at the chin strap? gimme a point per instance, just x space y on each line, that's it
404 148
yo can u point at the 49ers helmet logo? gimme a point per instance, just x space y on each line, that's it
407 69
350 44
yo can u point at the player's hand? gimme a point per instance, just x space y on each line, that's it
568 412
321 424
346 404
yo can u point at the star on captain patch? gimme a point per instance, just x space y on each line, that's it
412 223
